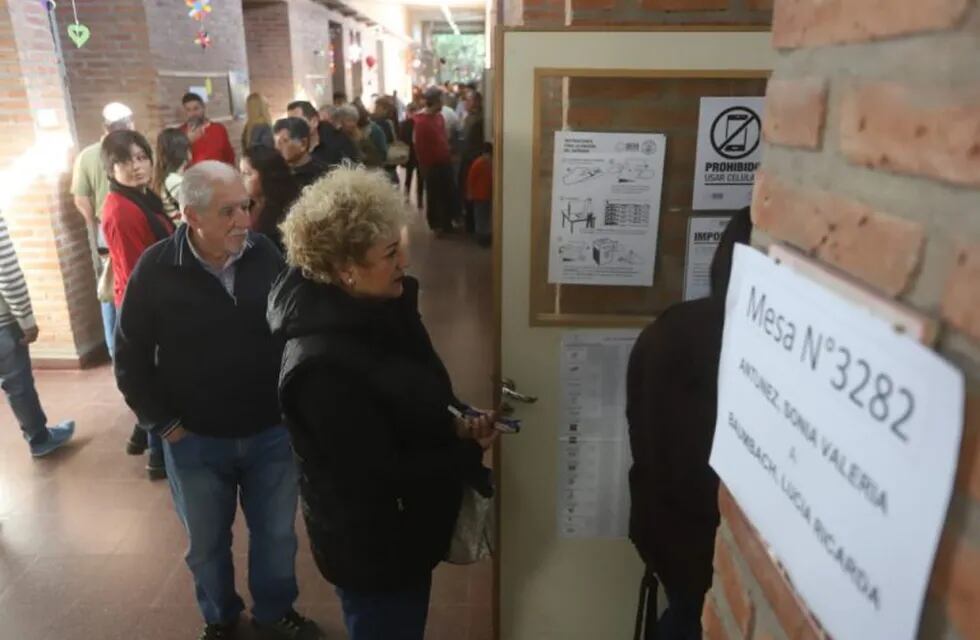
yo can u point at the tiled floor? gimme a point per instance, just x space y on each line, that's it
91 550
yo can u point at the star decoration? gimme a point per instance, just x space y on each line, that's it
203 40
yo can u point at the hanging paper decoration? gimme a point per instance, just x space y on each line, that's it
49 5
208 86
203 40
78 32
370 61
199 9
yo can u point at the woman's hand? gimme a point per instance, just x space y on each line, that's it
478 427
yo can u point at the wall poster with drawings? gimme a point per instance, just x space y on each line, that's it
605 207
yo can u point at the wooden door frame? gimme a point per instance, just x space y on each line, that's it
499 34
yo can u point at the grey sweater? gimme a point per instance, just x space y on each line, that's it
15 303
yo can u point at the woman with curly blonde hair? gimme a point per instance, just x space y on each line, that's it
367 401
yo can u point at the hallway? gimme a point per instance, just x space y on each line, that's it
90 549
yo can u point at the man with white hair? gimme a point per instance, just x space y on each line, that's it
197 363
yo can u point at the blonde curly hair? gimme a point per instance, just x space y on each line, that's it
338 218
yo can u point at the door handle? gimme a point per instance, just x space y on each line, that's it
509 391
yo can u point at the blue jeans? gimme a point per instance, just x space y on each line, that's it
387 615
109 315
17 381
207 477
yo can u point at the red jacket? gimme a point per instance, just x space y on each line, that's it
212 145
479 180
431 145
128 235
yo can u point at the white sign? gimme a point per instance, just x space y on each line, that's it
201 92
593 438
605 206
729 152
703 236
839 438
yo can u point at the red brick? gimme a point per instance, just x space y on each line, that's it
759 5
961 302
922 131
685 5
790 612
735 592
882 250
956 582
968 469
802 23
795 112
711 622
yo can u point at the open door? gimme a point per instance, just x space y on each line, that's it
550 585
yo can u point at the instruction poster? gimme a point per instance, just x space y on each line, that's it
593 438
729 152
703 236
605 207
839 438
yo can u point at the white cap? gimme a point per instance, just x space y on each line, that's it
116 111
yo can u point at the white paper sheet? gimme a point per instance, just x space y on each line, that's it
703 236
839 439
593 449
605 207
729 152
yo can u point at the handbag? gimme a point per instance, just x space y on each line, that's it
398 153
473 537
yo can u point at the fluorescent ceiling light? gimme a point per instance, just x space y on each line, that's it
447 14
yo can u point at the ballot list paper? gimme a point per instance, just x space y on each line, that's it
593 443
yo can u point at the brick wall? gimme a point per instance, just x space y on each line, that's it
310 37
638 12
872 165
269 53
47 233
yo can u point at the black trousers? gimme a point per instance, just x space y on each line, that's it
441 199
410 169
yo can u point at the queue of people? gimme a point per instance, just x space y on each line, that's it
298 251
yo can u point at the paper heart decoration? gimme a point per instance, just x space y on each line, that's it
203 40
370 62
199 8
79 34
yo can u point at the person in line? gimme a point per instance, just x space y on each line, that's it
399 106
18 330
272 189
209 140
471 148
450 118
197 363
293 143
90 186
339 98
258 123
372 143
479 191
173 156
435 164
328 145
366 399
132 220
672 397
386 118
406 133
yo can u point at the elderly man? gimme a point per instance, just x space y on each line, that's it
197 363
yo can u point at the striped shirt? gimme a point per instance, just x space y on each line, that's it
15 303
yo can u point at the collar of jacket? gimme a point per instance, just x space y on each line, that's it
184 256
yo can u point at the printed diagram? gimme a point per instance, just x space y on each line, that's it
574 252
606 251
647 147
626 214
575 211
626 171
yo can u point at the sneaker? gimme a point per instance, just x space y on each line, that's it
136 445
57 436
156 468
291 626
218 632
